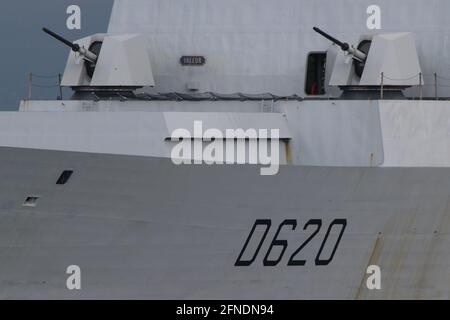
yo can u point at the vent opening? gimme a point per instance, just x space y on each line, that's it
31 201
64 177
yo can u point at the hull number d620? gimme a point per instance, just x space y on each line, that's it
337 225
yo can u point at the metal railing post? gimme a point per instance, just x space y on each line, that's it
435 86
30 85
420 86
60 88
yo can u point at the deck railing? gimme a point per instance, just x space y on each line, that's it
44 82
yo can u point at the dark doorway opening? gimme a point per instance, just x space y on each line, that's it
315 74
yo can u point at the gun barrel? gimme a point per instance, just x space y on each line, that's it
357 54
88 55
344 46
73 46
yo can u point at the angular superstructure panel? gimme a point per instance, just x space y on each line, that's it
257 46
392 60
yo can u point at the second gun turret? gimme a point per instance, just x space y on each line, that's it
371 65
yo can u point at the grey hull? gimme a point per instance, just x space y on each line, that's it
144 228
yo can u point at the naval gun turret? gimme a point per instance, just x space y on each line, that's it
89 55
384 61
109 66
359 54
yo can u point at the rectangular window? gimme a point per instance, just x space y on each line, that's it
315 73
64 177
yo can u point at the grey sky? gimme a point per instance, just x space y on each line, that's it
25 48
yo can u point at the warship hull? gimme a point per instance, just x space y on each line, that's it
364 142
144 228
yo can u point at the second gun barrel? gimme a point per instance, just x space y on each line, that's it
332 39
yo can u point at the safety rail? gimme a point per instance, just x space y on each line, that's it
45 83
436 80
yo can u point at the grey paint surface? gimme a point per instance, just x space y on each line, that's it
336 132
262 46
250 47
363 133
144 228
25 48
320 132
140 227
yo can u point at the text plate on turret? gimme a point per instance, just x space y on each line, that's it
193 60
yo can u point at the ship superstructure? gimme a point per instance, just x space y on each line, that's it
362 130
